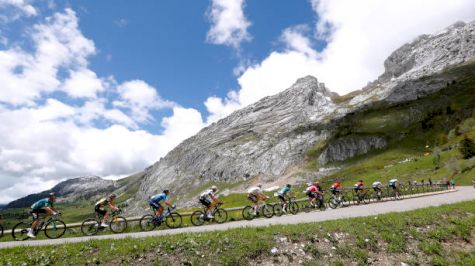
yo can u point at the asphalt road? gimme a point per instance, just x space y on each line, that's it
461 194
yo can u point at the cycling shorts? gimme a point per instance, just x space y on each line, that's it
35 213
205 202
155 205
311 194
252 197
100 210
282 198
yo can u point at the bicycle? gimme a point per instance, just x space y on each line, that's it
360 196
53 228
264 209
117 224
377 194
200 217
335 201
292 207
172 219
395 193
318 204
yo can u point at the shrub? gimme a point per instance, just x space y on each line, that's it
467 148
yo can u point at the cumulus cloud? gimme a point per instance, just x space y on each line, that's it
96 128
14 9
229 24
359 36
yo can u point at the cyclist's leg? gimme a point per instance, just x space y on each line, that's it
102 213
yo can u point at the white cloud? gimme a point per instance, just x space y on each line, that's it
140 98
229 24
83 83
14 9
360 35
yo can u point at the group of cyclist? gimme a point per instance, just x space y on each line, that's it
208 199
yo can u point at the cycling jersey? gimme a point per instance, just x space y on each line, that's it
376 184
392 182
159 197
102 202
207 194
311 189
42 203
336 186
284 191
255 190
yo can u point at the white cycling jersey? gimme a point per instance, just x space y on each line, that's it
207 194
392 182
254 190
376 184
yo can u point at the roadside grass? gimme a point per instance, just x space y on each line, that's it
442 235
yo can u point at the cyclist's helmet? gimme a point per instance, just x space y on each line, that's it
288 185
166 191
316 183
52 196
214 188
112 196
259 185
361 180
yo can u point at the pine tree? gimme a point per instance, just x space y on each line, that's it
467 148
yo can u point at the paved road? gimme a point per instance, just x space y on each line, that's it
461 194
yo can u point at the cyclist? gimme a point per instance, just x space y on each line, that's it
377 188
43 206
282 194
311 193
335 189
393 183
154 202
256 195
359 187
209 200
100 208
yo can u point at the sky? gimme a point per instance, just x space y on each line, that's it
108 87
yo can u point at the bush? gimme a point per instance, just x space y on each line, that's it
467 148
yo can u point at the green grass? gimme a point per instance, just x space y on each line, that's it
438 236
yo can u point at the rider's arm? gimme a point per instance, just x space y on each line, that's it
112 206
168 203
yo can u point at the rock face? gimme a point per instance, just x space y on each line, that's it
270 138
70 190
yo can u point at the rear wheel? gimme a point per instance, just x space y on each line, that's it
220 216
20 230
366 198
248 213
333 203
55 229
174 220
344 201
293 208
197 218
118 224
278 209
146 223
90 226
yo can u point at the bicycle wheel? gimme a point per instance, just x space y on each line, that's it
90 226
118 224
333 203
174 220
267 211
55 229
146 223
293 208
248 213
278 209
345 202
197 218
220 216
20 230
366 198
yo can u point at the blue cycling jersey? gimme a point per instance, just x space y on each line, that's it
42 203
284 190
159 197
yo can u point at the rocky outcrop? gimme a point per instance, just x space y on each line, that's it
349 147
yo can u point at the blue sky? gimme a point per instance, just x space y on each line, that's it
108 87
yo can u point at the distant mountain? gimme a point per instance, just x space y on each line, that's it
274 138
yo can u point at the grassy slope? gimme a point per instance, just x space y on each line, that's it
439 235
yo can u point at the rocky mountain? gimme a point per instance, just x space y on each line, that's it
70 190
275 137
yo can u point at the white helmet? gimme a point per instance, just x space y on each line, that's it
214 188
259 185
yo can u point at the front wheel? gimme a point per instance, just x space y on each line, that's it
293 208
345 202
197 218
55 229
90 226
220 216
278 209
118 224
174 220
267 211
146 223
248 213
333 203
20 231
